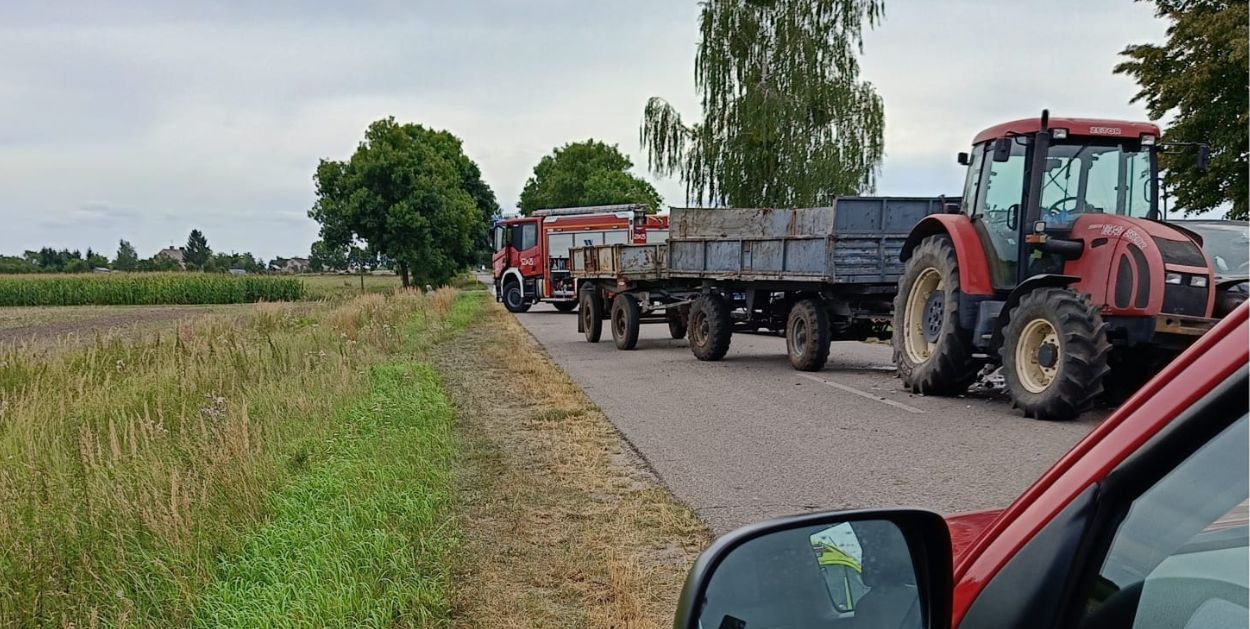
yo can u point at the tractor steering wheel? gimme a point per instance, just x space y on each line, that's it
1056 209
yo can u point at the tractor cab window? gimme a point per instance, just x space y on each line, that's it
998 212
1090 178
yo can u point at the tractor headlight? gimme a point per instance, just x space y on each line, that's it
1199 281
1172 278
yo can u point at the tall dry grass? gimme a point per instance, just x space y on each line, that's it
127 469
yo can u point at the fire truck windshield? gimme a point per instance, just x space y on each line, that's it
1087 178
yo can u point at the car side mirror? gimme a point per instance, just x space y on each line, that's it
1203 161
963 159
884 568
1002 149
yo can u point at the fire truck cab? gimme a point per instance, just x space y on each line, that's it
531 259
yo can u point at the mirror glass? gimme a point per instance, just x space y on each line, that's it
850 574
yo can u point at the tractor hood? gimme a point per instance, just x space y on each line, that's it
965 528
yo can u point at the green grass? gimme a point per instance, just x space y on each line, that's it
141 289
337 286
363 537
150 483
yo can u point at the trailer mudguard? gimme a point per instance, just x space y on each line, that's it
974 271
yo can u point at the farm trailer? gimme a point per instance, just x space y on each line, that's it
815 274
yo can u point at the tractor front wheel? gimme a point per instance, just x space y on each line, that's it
1054 353
932 353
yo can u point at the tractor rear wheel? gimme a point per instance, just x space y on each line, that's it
1054 353
710 327
677 318
590 315
625 316
565 306
807 335
513 299
932 353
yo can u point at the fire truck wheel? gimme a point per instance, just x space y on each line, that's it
1054 353
932 353
513 300
565 306
590 316
807 335
625 316
677 318
710 327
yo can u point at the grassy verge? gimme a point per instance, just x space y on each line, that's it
561 524
143 484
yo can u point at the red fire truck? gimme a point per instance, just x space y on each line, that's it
531 259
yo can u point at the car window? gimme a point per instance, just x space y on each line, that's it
529 236
1179 558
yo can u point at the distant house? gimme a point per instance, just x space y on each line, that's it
177 254
289 265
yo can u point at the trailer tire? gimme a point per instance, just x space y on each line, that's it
513 298
565 306
1054 353
710 327
933 354
590 316
807 335
625 316
677 321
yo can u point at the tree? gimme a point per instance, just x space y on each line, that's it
786 120
197 252
127 258
585 173
95 260
1200 75
403 193
325 257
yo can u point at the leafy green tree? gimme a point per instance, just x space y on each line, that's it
1200 75
585 173
95 260
197 252
786 119
403 193
325 257
127 258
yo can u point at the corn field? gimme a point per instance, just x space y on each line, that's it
145 289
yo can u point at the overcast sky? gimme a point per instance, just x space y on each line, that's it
143 121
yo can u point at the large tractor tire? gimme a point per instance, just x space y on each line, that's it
1054 353
513 300
590 315
565 306
625 320
932 353
677 321
807 335
710 327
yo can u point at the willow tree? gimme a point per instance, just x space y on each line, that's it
786 120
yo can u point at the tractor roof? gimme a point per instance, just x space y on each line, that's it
1098 127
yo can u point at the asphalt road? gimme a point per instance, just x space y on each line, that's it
749 438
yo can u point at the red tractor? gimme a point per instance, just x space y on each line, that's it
1054 267
531 259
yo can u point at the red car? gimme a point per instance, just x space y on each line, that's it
1143 524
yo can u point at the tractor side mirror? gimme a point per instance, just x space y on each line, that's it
1002 149
963 159
1203 161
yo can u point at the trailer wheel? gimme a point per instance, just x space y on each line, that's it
1054 353
590 318
513 300
807 335
932 353
677 320
710 327
625 316
565 306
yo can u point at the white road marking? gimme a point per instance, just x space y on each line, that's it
864 394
